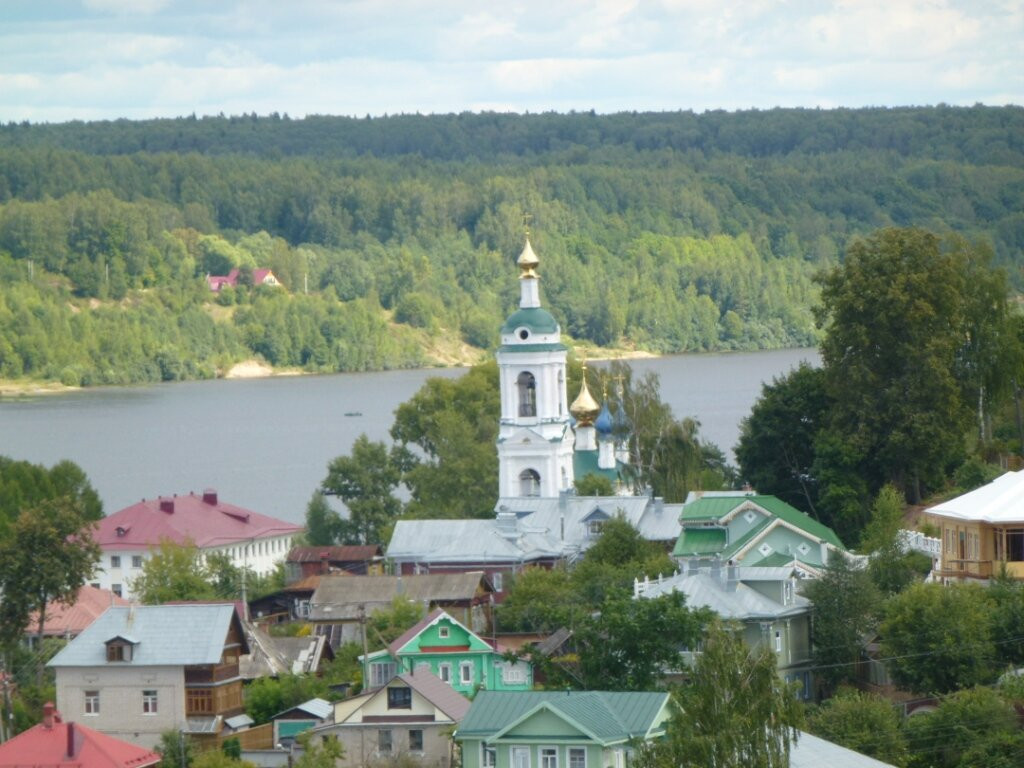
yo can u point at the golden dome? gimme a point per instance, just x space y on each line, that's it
527 262
584 408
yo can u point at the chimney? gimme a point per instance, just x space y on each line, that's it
716 569
506 522
167 505
71 740
210 497
48 711
731 577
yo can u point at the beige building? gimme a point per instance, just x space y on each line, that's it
982 531
412 716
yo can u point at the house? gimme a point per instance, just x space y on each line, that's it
127 537
810 751
745 528
68 621
454 654
362 559
138 671
547 729
272 656
260 276
56 743
982 531
299 719
765 600
411 716
288 604
341 603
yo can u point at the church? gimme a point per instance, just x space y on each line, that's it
544 445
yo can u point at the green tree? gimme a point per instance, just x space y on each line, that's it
322 522
1007 596
939 638
776 446
735 711
973 728
845 610
594 485
176 750
385 625
539 600
862 722
173 572
266 696
610 565
365 481
890 567
48 554
323 753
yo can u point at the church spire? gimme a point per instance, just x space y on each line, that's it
529 290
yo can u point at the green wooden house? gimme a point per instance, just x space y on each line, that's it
559 729
451 652
752 530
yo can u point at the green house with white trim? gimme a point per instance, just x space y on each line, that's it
559 729
451 652
752 530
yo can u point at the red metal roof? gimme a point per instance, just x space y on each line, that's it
352 553
56 744
203 519
72 619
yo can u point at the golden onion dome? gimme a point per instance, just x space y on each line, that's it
584 408
527 261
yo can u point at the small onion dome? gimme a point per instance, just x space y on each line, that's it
527 262
584 407
603 424
620 421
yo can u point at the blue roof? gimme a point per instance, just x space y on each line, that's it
163 635
603 423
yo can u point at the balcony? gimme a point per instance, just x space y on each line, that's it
965 569
210 674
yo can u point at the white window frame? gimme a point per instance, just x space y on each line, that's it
548 757
497 581
115 561
466 679
150 701
136 561
444 632
92 702
381 672
778 641
569 755
488 752
519 751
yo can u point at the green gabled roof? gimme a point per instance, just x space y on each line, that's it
717 507
609 716
700 541
585 463
775 560
537 319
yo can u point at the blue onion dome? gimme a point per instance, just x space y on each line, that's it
604 424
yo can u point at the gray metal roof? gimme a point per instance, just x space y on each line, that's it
813 752
468 541
743 604
164 635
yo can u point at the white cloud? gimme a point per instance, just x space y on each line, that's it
126 7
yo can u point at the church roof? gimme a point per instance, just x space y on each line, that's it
585 463
535 319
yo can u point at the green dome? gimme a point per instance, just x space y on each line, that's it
534 319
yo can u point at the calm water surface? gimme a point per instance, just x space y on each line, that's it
265 443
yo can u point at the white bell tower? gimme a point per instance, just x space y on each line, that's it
535 439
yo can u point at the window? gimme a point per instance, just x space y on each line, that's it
416 740
116 589
594 527
444 671
115 561
1015 545
529 483
443 632
384 741
149 702
496 580
520 757
489 757
399 698
92 702
778 641
548 757
527 386
466 672
513 674
577 757
118 650
381 672
136 561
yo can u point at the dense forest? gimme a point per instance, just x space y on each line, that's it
669 232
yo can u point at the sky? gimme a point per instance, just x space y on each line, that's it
107 59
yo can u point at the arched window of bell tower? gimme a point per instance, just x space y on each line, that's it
529 483
561 393
527 386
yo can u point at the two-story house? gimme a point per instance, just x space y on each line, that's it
450 651
745 528
138 671
559 729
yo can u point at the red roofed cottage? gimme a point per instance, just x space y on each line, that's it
126 537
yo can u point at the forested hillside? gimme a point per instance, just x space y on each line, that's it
671 232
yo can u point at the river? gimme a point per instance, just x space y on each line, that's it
264 444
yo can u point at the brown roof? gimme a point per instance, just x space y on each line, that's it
308 584
340 597
438 693
347 554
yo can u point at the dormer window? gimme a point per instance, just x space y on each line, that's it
120 649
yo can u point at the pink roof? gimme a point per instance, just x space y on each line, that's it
205 520
72 619
259 275
56 744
